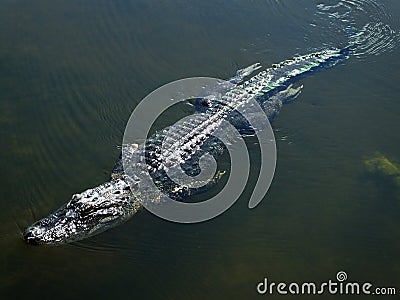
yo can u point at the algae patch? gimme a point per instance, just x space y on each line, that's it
381 166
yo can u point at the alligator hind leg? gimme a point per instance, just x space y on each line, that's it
290 94
273 104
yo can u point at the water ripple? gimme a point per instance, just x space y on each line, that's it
367 25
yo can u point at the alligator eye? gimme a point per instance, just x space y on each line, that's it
75 198
85 211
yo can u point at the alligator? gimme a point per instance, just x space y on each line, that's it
112 203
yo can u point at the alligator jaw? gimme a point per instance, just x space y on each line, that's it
32 235
64 225
86 214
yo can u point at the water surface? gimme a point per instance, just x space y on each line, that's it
71 72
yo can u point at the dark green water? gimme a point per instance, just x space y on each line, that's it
71 72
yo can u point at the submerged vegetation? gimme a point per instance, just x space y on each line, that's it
381 166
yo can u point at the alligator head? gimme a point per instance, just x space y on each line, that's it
86 214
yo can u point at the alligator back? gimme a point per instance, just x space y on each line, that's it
180 146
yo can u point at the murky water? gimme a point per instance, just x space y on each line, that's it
71 72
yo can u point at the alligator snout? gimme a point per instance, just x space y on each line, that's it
31 236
